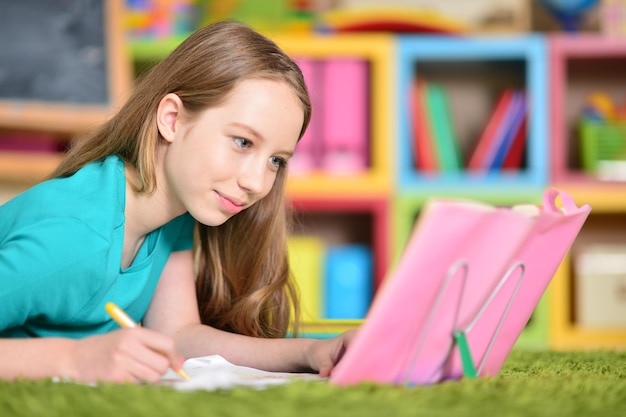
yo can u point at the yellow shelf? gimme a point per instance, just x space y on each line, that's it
367 184
27 167
328 327
66 119
604 197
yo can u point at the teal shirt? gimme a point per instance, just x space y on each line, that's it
60 255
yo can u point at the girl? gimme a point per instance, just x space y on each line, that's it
195 159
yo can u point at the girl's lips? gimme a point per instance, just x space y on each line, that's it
229 205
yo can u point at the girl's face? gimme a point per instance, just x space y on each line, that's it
227 158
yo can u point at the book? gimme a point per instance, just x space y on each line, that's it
462 292
515 157
443 135
345 126
308 152
492 133
307 255
347 281
423 146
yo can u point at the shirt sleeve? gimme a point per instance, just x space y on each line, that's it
46 271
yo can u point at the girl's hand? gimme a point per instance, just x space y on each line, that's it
127 355
323 355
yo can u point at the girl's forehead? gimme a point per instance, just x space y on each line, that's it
270 108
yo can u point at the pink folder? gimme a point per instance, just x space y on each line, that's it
307 155
495 330
345 115
471 268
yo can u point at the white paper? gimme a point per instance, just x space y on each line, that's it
214 372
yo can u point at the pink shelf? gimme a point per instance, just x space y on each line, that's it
579 64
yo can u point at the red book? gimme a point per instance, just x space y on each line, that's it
513 160
423 146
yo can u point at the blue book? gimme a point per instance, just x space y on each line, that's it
514 124
348 286
491 136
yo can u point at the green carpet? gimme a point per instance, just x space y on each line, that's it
530 384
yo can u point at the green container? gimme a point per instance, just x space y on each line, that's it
603 149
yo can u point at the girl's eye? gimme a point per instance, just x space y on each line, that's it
278 162
243 143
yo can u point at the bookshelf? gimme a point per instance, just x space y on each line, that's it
378 206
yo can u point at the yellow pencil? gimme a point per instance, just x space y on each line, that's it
124 320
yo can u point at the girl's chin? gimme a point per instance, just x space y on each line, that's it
212 220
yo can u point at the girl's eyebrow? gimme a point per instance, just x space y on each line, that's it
250 130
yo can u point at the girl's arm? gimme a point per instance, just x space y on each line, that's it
174 311
128 355
34 358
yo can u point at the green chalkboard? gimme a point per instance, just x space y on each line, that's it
59 54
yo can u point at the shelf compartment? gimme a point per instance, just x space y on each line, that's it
580 65
378 51
347 221
340 220
474 71
564 333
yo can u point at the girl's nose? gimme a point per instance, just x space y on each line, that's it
252 176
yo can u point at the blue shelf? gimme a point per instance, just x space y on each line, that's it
525 55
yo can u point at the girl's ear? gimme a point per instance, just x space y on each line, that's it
168 116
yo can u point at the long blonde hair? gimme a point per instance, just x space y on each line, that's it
243 282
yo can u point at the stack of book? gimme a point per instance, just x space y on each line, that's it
435 142
337 139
